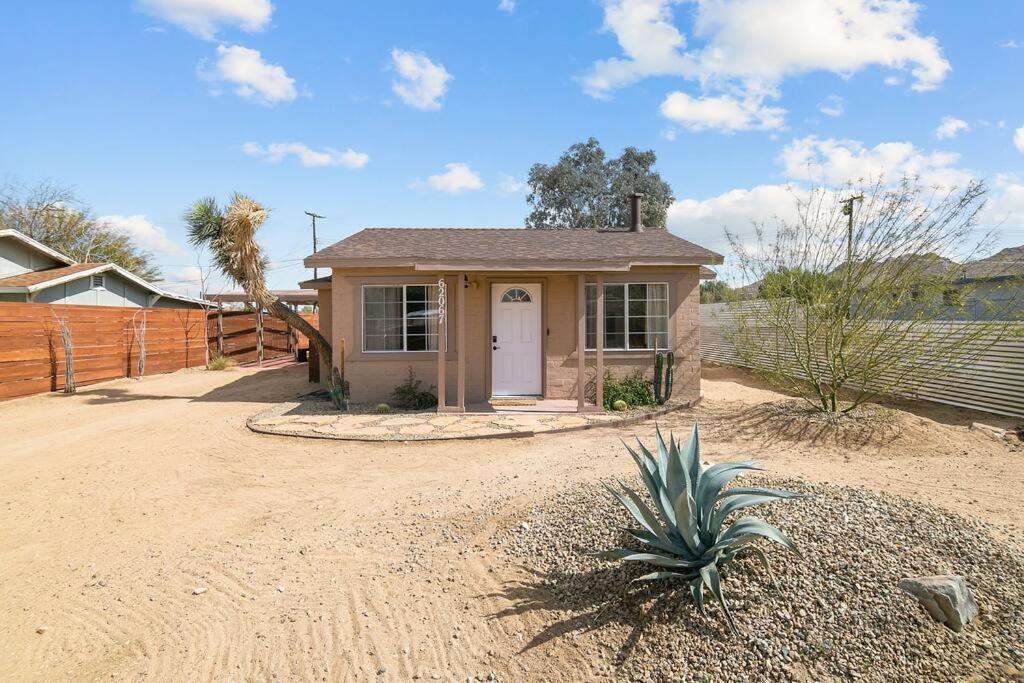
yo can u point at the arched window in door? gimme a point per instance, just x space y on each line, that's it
516 295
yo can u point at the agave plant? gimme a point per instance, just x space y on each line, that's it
688 534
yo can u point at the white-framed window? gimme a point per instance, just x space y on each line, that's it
99 281
399 318
635 316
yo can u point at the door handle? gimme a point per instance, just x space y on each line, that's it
494 348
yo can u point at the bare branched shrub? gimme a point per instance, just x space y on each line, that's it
862 294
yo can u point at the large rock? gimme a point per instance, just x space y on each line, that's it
947 598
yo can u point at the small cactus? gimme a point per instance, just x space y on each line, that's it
620 405
382 408
663 368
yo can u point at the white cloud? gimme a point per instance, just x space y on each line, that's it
1018 139
669 133
1005 207
650 44
723 113
422 83
142 232
510 184
746 48
705 220
204 17
836 162
1012 44
253 78
950 127
457 177
507 6
275 152
833 106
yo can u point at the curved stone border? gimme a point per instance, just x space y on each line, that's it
313 422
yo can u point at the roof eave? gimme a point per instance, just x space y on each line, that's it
609 265
38 246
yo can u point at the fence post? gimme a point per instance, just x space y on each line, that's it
220 329
259 335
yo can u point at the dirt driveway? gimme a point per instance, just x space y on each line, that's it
147 534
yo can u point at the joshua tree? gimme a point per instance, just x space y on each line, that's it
230 235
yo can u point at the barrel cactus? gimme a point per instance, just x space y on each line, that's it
620 405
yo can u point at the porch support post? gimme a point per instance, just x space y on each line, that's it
600 342
460 338
581 334
442 344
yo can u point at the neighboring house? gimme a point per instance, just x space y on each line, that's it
996 286
32 272
520 305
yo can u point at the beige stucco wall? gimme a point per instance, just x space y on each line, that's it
324 308
373 376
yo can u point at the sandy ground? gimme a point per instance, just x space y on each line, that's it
147 534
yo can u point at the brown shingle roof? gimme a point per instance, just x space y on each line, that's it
40 276
512 244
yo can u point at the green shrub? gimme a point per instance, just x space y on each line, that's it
409 396
620 405
688 536
219 362
634 390
382 408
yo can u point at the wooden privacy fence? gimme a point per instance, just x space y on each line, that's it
993 381
106 346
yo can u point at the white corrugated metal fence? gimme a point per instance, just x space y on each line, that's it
993 381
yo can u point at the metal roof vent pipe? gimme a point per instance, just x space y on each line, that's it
636 216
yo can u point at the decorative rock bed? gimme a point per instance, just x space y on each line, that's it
839 613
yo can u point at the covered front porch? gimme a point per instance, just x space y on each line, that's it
517 309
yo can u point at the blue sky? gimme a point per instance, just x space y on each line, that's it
431 113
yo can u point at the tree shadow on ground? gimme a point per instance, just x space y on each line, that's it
604 598
273 385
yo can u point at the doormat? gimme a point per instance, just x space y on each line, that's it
510 402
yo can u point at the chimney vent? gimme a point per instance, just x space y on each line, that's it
636 218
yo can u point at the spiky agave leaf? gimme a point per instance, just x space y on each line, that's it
687 525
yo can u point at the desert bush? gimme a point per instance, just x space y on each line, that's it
382 408
409 396
221 362
688 535
635 390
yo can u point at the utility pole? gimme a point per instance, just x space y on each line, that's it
848 212
314 216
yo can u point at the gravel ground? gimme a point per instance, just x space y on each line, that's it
838 613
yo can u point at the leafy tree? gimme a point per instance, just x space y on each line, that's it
230 236
716 292
53 215
795 283
848 307
585 189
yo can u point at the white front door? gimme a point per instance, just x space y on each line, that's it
516 340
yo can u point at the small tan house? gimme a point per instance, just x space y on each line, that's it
517 312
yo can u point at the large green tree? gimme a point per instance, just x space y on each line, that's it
586 189
53 215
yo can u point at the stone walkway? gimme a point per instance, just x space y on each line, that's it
429 425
